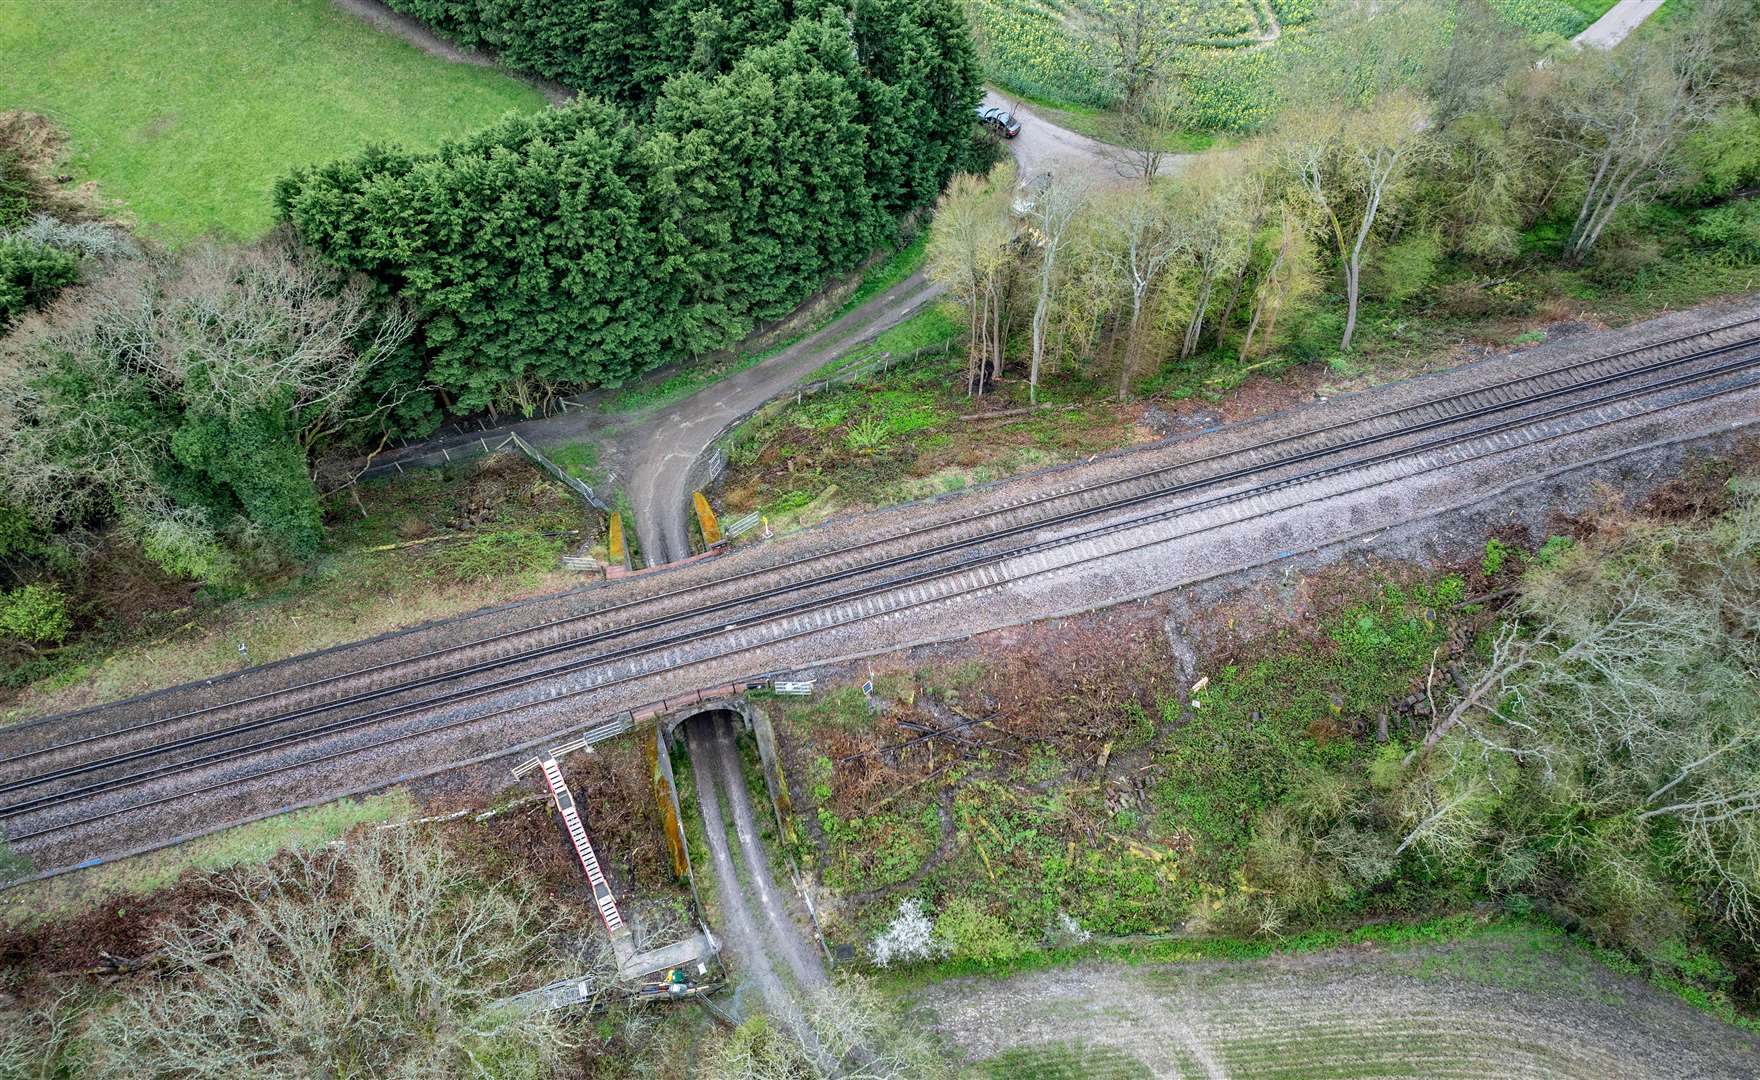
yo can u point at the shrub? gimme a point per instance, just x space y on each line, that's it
16 192
974 934
1725 154
501 554
909 938
1554 549
180 542
1402 270
34 613
30 276
87 238
1496 554
1731 233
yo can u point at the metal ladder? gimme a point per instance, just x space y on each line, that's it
583 848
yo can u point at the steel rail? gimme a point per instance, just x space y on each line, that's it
205 738
497 663
509 709
980 559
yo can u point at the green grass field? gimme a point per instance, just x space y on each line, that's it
186 111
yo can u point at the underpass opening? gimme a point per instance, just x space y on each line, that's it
768 926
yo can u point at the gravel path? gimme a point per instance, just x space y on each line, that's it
1043 147
663 462
1475 1008
1618 23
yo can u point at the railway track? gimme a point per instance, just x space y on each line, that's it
631 638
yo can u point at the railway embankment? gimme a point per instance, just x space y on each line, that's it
1401 468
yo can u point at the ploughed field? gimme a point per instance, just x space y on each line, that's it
1513 1000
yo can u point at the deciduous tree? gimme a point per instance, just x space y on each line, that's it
971 253
1620 117
1353 166
1138 237
1051 211
385 958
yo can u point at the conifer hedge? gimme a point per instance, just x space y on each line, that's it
724 160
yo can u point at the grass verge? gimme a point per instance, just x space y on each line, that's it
646 395
898 434
259 841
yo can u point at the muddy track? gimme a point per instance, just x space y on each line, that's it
758 927
1471 1008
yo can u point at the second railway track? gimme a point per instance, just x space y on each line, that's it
38 780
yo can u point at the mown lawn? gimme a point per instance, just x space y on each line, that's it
186 111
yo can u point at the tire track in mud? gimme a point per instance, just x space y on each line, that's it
758 927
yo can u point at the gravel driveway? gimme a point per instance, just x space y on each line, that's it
1043 147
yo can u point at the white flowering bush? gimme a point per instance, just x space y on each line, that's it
910 937
87 238
1066 932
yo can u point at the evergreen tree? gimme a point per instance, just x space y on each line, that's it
587 244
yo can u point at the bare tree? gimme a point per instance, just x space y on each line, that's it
1138 238
1132 41
1364 52
1352 165
383 959
1484 50
971 252
1630 689
1287 277
244 328
1256 191
92 389
1147 125
42 1041
1210 209
1053 207
1621 116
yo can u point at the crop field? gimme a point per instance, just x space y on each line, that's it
1512 1000
1041 49
186 111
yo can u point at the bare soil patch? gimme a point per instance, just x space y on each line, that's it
39 147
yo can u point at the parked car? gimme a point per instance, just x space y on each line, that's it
1001 119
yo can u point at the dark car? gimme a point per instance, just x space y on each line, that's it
1000 119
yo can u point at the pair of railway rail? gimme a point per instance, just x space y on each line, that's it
924 565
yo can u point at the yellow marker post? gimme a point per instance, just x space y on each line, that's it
615 550
706 518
